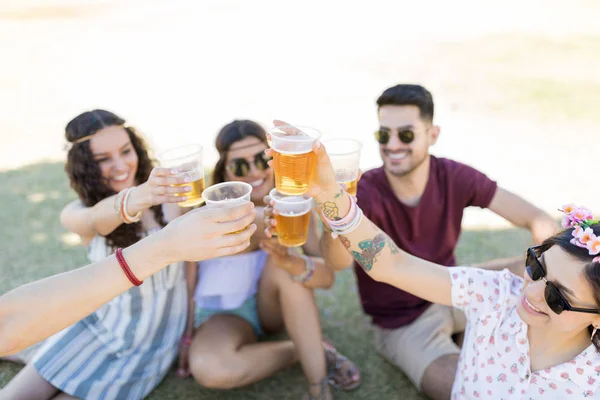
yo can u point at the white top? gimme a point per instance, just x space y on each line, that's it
224 283
494 362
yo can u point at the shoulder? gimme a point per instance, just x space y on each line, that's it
452 167
372 179
489 289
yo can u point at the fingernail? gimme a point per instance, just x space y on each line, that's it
317 143
267 233
181 198
187 179
174 171
187 188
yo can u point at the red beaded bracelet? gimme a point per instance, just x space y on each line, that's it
126 269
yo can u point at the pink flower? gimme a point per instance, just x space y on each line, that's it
568 208
514 368
553 386
581 214
594 247
580 371
585 235
564 375
567 222
569 391
591 380
502 377
489 379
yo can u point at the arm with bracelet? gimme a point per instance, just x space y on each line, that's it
65 298
370 246
125 207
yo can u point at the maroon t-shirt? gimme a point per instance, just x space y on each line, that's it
429 231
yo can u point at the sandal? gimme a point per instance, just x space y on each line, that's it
324 393
342 373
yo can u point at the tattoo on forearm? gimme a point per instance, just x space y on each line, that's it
393 248
330 210
345 241
341 192
369 250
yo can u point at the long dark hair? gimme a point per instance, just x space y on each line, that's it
86 178
228 135
591 271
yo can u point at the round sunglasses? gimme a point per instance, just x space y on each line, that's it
555 299
406 136
240 167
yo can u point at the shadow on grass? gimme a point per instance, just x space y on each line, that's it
34 245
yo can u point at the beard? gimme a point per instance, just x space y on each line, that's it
399 174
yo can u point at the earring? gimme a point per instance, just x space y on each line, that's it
594 332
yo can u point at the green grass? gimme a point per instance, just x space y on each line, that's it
34 245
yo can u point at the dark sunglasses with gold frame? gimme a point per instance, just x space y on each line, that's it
383 134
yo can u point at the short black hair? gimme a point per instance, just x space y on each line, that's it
405 95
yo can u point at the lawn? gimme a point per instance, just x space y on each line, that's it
33 245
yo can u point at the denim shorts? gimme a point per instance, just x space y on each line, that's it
248 311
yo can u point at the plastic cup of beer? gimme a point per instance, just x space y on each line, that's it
345 158
187 161
227 194
294 161
293 217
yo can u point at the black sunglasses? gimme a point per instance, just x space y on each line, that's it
240 167
556 301
406 136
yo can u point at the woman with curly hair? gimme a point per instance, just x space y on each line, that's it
125 348
267 288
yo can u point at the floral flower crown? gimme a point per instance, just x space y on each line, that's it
583 235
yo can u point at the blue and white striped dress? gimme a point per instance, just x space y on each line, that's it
124 349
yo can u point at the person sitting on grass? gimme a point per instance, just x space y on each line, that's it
533 337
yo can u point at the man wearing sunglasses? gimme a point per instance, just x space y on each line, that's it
418 200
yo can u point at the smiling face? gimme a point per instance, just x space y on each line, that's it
244 152
113 151
400 159
568 275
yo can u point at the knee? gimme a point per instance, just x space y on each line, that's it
217 373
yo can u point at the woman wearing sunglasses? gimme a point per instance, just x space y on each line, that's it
532 337
266 289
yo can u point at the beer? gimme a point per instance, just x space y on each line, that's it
351 186
348 178
194 197
294 161
293 172
345 158
186 160
292 229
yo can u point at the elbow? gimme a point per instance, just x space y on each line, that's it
9 341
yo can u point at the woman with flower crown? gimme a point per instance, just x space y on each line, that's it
530 337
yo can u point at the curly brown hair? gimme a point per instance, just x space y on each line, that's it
86 178
228 135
